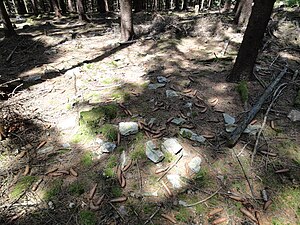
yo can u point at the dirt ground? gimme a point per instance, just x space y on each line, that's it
57 69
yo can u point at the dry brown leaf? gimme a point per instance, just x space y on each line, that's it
267 204
26 171
282 171
92 191
51 170
99 201
126 167
215 211
219 221
167 189
119 199
36 185
93 207
248 214
73 172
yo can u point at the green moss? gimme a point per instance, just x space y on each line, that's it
87 217
87 159
182 215
53 190
76 188
187 135
22 185
200 209
109 131
109 170
121 95
291 149
148 208
138 151
242 89
116 191
202 178
169 157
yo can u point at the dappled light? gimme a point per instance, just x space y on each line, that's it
95 130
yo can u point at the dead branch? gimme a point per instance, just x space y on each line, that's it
235 135
204 200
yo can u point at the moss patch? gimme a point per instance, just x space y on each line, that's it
109 132
138 151
116 191
21 186
76 188
291 149
242 89
87 217
53 190
109 170
87 159
182 215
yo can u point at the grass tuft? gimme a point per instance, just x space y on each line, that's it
76 188
242 89
87 159
22 185
53 190
87 217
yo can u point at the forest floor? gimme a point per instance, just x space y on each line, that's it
75 83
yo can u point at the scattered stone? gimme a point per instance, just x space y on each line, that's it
183 203
228 119
66 145
71 205
171 145
162 79
122 210
252 129
45 150
156 86
153 153
51 205
194 164
186 133
230 127
178 121
127 128
171 93
175 180
294 115
107 147
67 123
188 105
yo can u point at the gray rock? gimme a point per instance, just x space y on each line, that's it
178 121
230 127
51 205
228 119
45 150
252 129
107 147
188 105
32 78
156 86
294 115
194 164
171 94
175 180
71 205
153 153
171 145
186 133
183 203
127 128
162 79
151 121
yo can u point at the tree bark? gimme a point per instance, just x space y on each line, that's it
8 28
126 20
81 12
243 66
243 12
56 8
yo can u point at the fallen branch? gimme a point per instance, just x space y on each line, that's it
235 135
204 200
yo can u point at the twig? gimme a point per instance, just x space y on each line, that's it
177 160
275 97
245 175
204 200
116 211
8 82
140 176
150 218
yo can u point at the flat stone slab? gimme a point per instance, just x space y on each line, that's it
186 133
127 128
153 153
162 79
175 180
171 94
156 86
294 115
194 164
107 147
178 121
171 145
228 119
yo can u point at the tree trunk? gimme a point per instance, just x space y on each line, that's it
237 2
243 12
80 11
126 20
155 5
35 7
185 5
62 6
20 7
102 6
56 8
243 66
70 6
8 28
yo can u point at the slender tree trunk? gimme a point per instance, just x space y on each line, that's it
126 20
202 5
56 8
177 5
20 7
35 7
70 6
243 12
80 11
155 5
8 28
138 5
237 2
62 6
243 66
185 5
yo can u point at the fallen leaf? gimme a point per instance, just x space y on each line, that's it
99 201
167 189
92 191
267 204
248 214
51 170
119 199
219 221
93 207
26 171
215 211
73 172
36 185
282 171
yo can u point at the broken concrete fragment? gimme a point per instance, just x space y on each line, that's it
175 180
178 121
228 119
294 115
194 164
153 153
162 79
186 133
156 86
127 128
171 145
171 93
